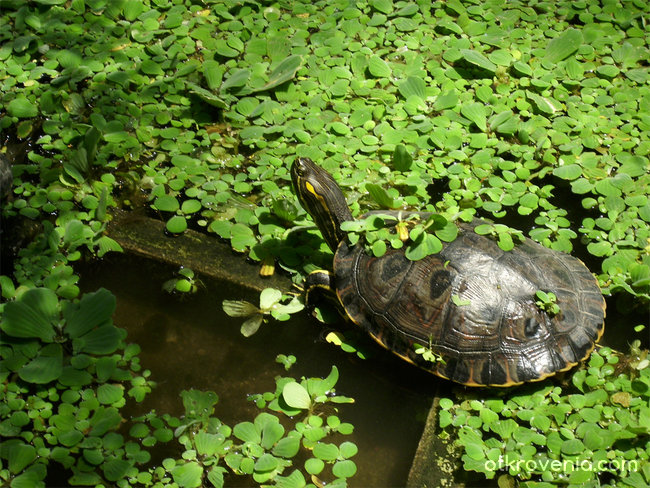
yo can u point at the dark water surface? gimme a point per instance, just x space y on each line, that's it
188 342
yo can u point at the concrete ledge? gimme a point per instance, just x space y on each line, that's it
432 466
202 253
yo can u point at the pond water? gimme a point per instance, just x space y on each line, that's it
188 342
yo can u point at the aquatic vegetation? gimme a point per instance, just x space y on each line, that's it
270 304
66 375
547 301
185 282
264 448
458 108
593 432
534 115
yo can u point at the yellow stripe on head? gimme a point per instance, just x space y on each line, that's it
311 189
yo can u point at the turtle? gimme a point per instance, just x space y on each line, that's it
472 305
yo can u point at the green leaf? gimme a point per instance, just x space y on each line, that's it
413 86
271 433
7 286
505 241
379 248
237 79
18 454
327 385
108 393
223 49
74 232
380 195
445 101
448 232
547 105
378 67
150 67
602 248
269 297
205 95
383 6
504 122
93 456
476 113
77 166
360 117
199 403
478 59
22 108
116 469
314 466
639 275
70 438
568 172
296 396
294 480
188 475
287 447
32 477
475 451
75 377
339 128
563 46
633 166
459 302
242 237
348 449
215 476
208 444
239 308
267 462
523 68
572 447
166 203
247 432
213 72
402 160
344 469
176 224
31 315
574 69
93 310
579 477
425 245
284 71
44 368
326 452
106 244
504 428
252 325
102 340
183 286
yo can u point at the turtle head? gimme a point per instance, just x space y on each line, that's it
321 196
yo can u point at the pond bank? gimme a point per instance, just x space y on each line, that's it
203 254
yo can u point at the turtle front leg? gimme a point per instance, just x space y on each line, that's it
319 283
319 287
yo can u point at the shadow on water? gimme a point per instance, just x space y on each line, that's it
191 343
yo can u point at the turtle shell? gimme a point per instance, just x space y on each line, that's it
474 305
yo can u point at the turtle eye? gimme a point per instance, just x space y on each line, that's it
301 166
